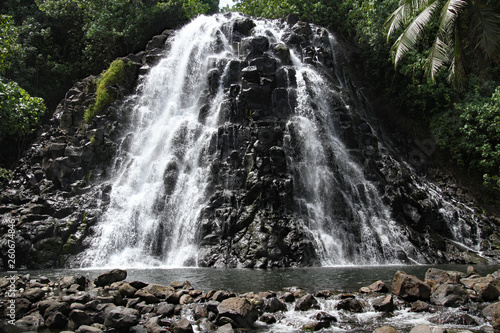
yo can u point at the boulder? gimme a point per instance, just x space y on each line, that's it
350 304
108 278
146 296
316 326
325 316
306 302
449 295
486 288
127 290
495 322
454 318
122 318
378 287
273 304
30 323
159 291
182 326
220 295
427 329
254 46
420 306
56 320
441 276
88 329
383 303
287 297
489 311
23 305
78 318
48 306
268 318
302 28
186 299
165 309
409 287
243 25
200 311
34 295
240 310
386 329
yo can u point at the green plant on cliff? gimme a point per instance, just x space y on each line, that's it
115 74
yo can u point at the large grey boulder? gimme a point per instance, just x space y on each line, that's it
306 302
239 310
122 318
410 287
108 278
441 276
486 288
449 295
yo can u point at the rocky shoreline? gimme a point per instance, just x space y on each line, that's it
445 301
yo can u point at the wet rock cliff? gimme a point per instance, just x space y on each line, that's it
293 169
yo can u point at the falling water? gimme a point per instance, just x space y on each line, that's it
165 168
162 175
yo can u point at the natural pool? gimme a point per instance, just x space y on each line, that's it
311 279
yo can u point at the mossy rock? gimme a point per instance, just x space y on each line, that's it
113 84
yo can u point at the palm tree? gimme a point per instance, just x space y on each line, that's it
468 32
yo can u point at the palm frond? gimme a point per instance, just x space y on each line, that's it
404 13
449 14
395 21
408 39
438 57
485 30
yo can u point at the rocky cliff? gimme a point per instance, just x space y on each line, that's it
259 207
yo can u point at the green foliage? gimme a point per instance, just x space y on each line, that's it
19 112
62 41
481 136
5 176
473 137
8 42
104 95
195 7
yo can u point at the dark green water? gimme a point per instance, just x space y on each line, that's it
341 278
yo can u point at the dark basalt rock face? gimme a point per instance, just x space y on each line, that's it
252 217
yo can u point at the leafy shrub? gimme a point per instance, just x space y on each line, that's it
481 136
19 112
471 134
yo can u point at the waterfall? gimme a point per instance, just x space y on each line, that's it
160 186
202 112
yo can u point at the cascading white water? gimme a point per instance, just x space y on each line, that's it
162 175
168 143
342 208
